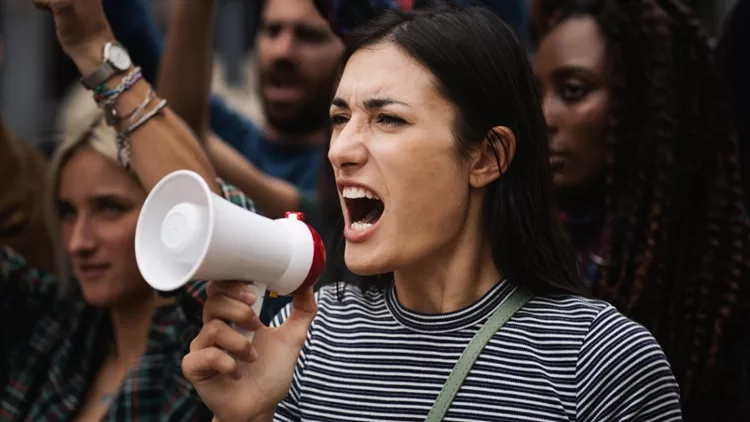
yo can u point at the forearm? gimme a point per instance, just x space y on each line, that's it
187 62
273 196
164 143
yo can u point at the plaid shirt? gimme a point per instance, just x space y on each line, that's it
52 349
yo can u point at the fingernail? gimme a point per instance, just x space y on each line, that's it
248 296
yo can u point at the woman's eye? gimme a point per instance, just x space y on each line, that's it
339 119
109 207
65 211
390 120
573 91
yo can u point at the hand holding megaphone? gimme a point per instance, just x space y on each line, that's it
236 379
186 232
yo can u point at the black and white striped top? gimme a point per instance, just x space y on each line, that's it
560 358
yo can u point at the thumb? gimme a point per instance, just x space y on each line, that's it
41 4
303 312
54 6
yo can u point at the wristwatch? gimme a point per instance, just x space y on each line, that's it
116 60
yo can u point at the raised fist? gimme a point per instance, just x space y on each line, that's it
82 28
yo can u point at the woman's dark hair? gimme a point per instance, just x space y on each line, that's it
678 248
481 68
734 59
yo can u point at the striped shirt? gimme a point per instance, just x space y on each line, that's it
560 358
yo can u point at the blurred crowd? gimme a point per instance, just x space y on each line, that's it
648 147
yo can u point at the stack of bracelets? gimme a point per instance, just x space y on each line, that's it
105 99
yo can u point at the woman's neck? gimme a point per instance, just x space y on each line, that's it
454 277
131 323
583 200
583 214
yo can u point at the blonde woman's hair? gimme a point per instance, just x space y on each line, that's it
81 124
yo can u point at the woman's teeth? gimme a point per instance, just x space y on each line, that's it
351 192
364 207
366 222
360 227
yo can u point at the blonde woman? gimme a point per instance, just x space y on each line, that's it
94 342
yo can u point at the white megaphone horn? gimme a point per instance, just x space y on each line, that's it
186 232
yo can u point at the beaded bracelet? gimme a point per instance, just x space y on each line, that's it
159 107
107 97
123 151
111 116
123 138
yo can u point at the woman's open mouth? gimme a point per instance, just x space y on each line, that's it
363 206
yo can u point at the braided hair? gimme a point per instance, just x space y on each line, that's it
679 232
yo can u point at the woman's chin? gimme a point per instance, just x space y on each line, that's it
363 264
98 298
364 270
115 294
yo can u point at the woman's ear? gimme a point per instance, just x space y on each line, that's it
489 163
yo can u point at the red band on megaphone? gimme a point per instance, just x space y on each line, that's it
318 262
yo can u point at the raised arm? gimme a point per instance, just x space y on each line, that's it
133 25
187 62
164 143
189 46
273 196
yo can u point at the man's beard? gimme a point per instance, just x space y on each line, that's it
303 117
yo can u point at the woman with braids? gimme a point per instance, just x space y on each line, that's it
735 63
645 161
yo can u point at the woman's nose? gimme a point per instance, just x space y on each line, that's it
551 114
348 148
81 240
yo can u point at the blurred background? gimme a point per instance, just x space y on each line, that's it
37 74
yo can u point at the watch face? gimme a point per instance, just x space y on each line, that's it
119 57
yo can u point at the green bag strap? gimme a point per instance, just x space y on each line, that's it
470 355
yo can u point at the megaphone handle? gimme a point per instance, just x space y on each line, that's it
260 293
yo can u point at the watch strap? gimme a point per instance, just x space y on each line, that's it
99 76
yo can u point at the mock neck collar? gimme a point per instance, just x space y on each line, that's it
451 321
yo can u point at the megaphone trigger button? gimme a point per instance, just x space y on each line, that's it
295 215
273 294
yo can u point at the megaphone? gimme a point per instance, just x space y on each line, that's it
186 232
